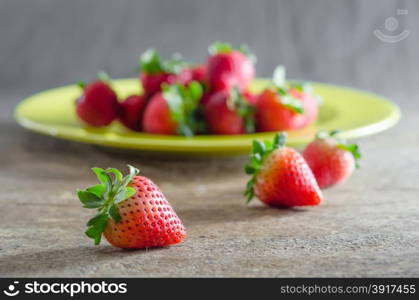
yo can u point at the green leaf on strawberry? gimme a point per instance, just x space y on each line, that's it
219 47
175 65
112 190
238 103
260 151
183 102
151 63
283 88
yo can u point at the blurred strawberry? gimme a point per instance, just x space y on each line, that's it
173 110
287 106
98 105
228 68
229 112
199 73
331 159
155 72
132 112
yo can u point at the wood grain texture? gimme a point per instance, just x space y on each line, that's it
368 225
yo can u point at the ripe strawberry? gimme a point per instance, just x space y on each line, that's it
132 212
288 106
173 110
155 72
157 117
199 73
229 112
228 68
98 105
280 176
250 97
132 110
332 160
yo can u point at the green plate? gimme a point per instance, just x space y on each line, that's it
356 113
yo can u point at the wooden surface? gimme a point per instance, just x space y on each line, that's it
367 227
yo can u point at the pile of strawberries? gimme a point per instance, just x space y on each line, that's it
211 98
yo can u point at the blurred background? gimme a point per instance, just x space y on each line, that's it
48 43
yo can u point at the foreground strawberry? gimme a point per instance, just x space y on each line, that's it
287 106
332 160
280 176
229 112
155 72
132 110
98 105
132 212
228 68
173 110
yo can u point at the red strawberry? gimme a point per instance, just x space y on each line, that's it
152 82
228 68
132 212
132 112
280 176
288 106
250 97
228 112
199 73
173 110
332 160
155 72
98 105
205 98
157 118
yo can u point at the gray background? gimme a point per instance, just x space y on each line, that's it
367 227
46 43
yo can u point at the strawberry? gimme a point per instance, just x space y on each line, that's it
229 112
228 68
132 212
132 109
199 73
332 160
173 110
155 72
287 106
98 105
250 97
280 175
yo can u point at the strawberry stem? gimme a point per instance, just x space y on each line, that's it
237 103
105 197
183 104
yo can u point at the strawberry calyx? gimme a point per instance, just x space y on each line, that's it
236 102
151 63
283 88
342 144
225 48
183 102
104 197
260 151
